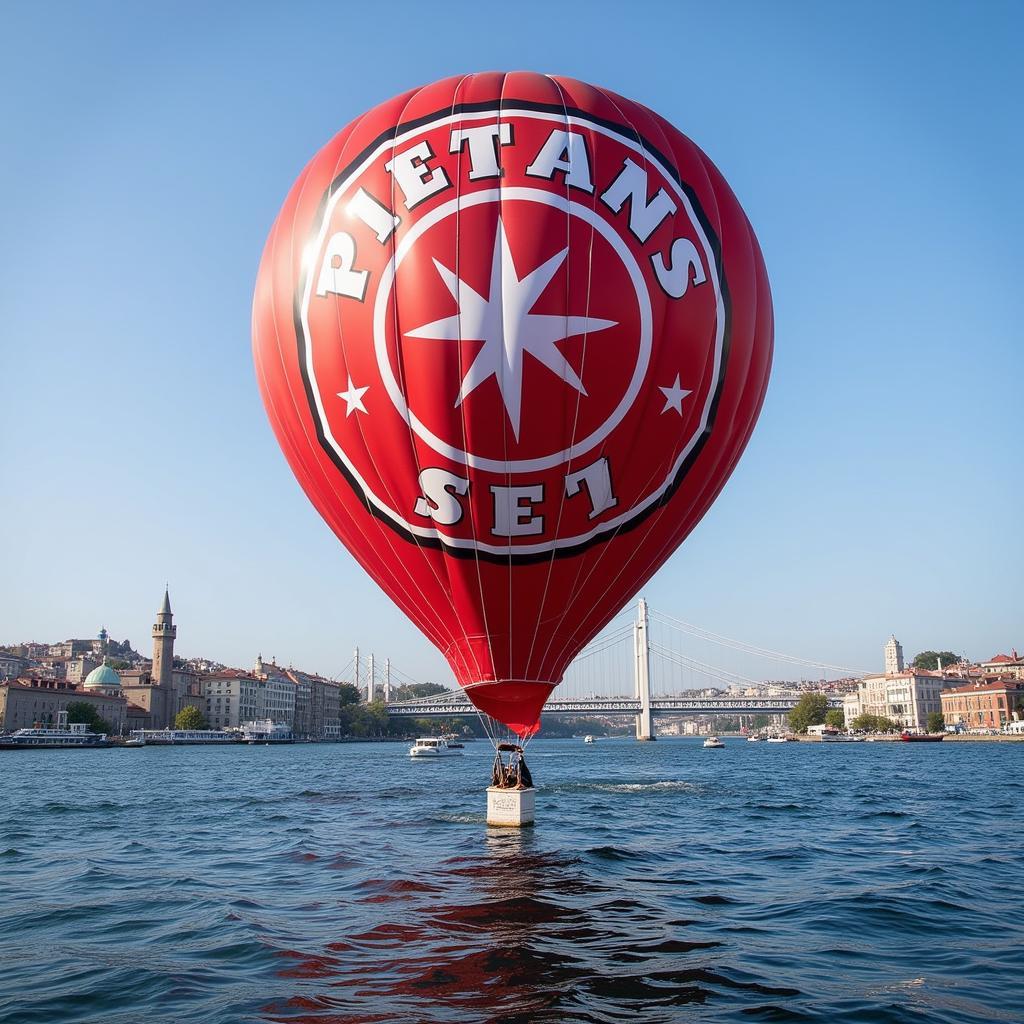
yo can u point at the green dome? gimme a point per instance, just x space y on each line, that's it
102 678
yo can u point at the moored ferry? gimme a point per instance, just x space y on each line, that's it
267 731
184 737
76 736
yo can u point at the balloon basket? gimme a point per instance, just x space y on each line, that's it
510 808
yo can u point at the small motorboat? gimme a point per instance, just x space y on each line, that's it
589 739
754 738
713 743
776 739
434 746
922 737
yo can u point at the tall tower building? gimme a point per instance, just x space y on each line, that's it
164 632
893 656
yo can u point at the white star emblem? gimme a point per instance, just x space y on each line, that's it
674 396
353 397
504 323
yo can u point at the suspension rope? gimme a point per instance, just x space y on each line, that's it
739 645
685 662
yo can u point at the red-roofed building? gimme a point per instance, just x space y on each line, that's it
1011 665
990 704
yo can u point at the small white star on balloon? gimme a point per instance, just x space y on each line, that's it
674 396
508 328
353 397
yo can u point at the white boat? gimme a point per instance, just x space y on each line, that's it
777 739
713 742
433 746
267 731
183 737
76 736
588 739
754 738
841 737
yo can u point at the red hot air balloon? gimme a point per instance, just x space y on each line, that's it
512 332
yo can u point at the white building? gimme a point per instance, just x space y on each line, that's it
279 699
908 698
233 698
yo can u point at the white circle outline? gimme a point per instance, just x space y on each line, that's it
380 311
315 245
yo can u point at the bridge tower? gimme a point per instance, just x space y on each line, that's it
642 672
355 671
387 679
370 692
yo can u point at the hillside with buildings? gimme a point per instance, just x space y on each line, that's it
128 691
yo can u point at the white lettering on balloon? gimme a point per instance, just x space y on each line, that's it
439 502
414 176
597 479
566 152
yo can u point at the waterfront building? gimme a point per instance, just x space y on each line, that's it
893 656
323 716
279 699
282 700
313 704
991 704
852 707
232 697
908 698
29 702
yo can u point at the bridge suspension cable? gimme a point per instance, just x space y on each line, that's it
738 645
722 674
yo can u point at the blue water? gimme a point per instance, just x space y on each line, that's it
662 882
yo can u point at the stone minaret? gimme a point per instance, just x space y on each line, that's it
893 657
164 632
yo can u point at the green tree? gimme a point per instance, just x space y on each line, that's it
413 691
835 719
930 659
936 723
190 718
348 694
874 723
810 710
80 711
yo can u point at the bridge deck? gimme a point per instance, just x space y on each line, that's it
447 707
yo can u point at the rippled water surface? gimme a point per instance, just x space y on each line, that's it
662 882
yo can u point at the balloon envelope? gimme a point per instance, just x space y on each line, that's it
512 332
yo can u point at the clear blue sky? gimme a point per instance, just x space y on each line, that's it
877 149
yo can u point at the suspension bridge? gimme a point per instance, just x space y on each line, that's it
643 664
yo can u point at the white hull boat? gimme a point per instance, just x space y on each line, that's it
433 746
